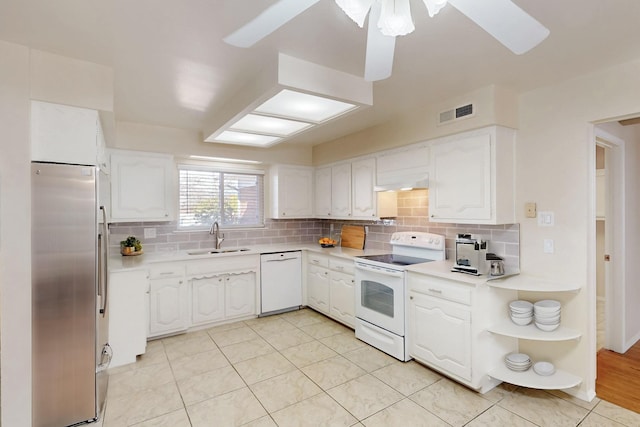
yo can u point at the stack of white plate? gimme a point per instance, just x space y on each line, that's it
517 361
544 368
546 314
521 312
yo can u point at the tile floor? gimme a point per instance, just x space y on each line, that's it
303 369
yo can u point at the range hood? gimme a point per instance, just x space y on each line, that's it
402 181
403 169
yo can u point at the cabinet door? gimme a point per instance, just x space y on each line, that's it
341 190
240 294
440 334
318 288
168 308
460 184
291 192
207 299
322 206
363 177
342 298
142 187
63 134
128 318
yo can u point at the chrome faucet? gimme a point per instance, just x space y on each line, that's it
215 231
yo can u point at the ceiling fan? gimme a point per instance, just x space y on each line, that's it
502 19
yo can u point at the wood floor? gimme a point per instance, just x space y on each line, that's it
619 377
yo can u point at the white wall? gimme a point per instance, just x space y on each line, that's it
554 162
15 238
493 105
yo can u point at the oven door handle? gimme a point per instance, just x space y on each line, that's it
379 270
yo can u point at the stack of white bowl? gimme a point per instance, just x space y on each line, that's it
521 312
519 362
546 314
544 368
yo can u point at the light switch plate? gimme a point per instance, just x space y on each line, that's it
545 219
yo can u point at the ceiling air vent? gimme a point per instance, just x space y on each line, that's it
457 113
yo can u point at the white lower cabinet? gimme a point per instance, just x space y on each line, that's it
318 288
240 294
128 315
207 299
201 292
447 328
168 306
442 333
331 287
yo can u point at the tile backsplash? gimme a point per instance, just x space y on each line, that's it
504 240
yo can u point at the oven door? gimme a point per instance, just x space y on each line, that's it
380 297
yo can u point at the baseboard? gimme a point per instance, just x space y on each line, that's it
628 344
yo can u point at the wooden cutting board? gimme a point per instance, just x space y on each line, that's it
352 236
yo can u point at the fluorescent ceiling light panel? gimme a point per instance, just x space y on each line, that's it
225 159
243 138
268 125
302 106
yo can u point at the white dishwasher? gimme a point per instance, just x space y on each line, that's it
280 281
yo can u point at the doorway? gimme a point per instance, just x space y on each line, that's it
610 241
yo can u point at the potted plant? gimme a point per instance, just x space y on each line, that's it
130 246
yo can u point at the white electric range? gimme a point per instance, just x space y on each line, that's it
381 289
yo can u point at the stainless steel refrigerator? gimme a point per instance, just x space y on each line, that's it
70 350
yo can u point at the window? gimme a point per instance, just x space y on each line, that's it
233 199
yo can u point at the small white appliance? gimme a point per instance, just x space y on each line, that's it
381 290
280 282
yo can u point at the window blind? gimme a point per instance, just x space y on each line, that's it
232 199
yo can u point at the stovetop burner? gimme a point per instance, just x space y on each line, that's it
395 259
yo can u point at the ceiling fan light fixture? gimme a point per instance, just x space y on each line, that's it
355 9
395 18
434 6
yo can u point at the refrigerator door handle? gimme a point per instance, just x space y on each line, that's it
103 261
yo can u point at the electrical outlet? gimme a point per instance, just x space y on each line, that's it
530 210
149 233
548 246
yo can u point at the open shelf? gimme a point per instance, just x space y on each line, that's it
559 380
525 282
531 332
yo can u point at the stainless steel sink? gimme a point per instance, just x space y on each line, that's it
216 251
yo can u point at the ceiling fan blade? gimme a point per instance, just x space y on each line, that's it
272 18
510 25
380 49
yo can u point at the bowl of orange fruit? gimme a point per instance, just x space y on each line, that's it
327 242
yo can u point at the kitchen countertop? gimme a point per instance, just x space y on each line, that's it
435 268
443 269
125 263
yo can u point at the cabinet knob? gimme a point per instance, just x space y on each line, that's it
284 213
411 297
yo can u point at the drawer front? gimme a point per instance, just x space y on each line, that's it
342 265
440 288
222 264
165 271
319 260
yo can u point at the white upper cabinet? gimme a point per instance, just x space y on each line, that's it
322 205
346 191
472 178
142 186
291 192
341 191
363 179
64 134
